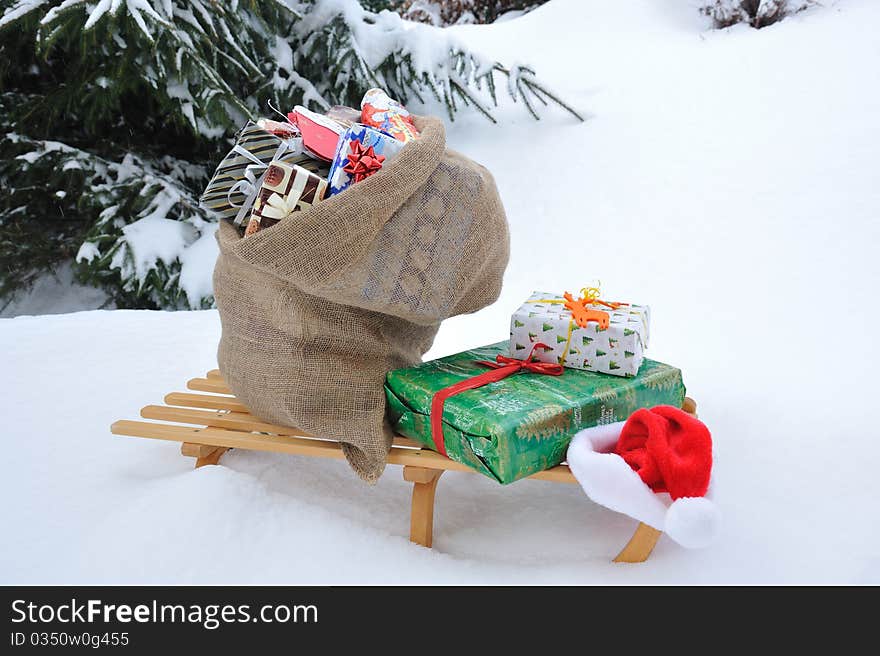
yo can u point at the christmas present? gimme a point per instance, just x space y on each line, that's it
233 188
343 114
320 133
583 333
285 190
510 418
380 111
283 129
361 152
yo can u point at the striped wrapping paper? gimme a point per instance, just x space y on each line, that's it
286 189
232 170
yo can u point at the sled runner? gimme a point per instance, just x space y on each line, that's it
219 422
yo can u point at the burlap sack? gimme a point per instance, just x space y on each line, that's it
315 310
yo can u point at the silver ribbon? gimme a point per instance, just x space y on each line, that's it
250 184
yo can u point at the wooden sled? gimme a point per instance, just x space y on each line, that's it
219 422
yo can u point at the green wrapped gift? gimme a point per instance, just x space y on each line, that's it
522 424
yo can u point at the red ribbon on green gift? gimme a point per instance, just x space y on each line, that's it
500 369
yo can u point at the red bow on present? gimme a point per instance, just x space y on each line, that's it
501 368
362 162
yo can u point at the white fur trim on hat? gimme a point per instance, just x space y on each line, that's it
693 522
609 481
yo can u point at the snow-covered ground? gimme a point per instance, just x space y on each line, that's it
729 179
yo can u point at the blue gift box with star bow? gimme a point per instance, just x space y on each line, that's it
361 152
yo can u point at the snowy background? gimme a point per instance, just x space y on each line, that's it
727 178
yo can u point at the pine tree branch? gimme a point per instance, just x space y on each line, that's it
127 82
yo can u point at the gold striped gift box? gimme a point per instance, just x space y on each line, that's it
263 147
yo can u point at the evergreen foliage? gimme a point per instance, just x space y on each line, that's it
757 13
113 114
455 12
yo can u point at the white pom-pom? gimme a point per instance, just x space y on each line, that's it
693 522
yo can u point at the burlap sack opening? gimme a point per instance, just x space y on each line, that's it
316 309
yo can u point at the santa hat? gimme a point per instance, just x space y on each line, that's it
628 466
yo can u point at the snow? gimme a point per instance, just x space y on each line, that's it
19 9
100 9
151 240
386 33
139 7
55 11
55 293
47 147
693 522
197 260
728 178
87 252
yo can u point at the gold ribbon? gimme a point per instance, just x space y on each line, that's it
589 296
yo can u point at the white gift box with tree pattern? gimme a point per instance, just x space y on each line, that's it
617 350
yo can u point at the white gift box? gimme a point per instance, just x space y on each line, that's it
617 350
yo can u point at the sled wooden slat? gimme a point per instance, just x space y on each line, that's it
215 421
231 439
210 401
303 446
213 385
241 421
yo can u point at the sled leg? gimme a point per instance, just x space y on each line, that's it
640 545
204 454
421 528
212 458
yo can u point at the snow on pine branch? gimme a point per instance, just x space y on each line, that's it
217 62
149 230
134 7
19 10
376 37
408 59
201 68
757 13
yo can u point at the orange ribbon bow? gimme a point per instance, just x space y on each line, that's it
582 315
